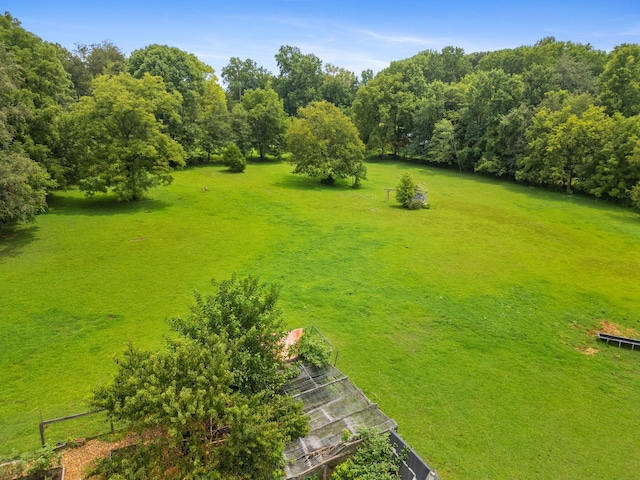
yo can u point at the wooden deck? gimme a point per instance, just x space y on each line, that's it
628 342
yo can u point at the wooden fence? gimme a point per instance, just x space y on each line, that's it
45 423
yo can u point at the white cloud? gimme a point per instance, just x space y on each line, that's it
400 39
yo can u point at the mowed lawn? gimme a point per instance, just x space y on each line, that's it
468 323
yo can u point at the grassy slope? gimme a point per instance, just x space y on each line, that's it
461 321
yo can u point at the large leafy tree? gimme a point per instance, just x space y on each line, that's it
214 122
561 142
23 182
116 139
211 402
267 120
444 145
384 111
489 96
45 90
620 80
182 72
240 128
339 86
87 62
300 79
449 65
325 144
505 143
615 171
23 188
430 108
242 75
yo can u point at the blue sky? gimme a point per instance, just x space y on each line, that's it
352 34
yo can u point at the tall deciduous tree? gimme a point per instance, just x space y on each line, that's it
267 120
23 188
615 170
23 182
561 142
325 144
488 97
87 62
45 89
444 144
241 129
184 73
384 111
300 79
506 143
117 141
620 80
243 75
339 86
214 122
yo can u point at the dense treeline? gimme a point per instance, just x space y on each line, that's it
555 114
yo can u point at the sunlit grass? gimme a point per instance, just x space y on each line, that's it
462 321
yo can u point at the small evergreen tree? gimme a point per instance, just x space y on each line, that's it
234 159
406 190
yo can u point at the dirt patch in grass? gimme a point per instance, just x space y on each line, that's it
608 327
587 350
613 329
76 460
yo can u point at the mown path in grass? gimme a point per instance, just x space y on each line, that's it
463 322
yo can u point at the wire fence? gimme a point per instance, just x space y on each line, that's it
333 358
413 467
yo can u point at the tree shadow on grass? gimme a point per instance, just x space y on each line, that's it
99 205
14 239
300 182
102 205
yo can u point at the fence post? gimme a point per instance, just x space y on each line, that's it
42 434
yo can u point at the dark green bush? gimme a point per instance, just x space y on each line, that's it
405 190
233 158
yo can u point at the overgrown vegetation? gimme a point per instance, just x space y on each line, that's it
313 349
37 465
210 403
375 459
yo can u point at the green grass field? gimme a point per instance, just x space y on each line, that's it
464 322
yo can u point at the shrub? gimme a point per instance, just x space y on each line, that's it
313 349
406 190
233 158
375 458
33 465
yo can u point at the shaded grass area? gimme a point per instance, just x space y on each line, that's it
464 321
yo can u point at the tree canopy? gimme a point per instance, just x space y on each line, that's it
243 75
266 119
182 72
325 144
485 112
117 138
